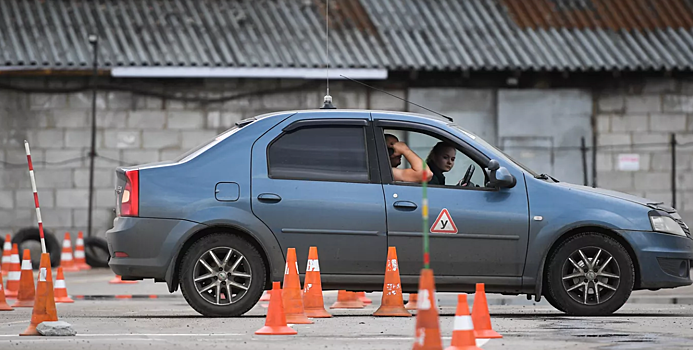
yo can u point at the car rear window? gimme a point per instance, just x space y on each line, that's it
320 153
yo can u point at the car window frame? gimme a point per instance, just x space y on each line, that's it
462 146
369 142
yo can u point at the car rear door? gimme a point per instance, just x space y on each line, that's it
315 183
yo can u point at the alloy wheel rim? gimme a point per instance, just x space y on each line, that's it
591 275
222 276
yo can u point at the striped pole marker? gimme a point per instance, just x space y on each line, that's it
36 199
424 214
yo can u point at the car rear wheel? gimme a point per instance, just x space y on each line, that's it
589 274
222 275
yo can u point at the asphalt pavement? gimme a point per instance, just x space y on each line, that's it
651 320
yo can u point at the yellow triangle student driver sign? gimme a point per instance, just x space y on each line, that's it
444 223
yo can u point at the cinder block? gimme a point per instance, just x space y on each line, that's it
651 181
7 199
14 178
643 104
147 119
613 139
161 139
185 120
40 101
660 85
64 158
653 141
667 122
380 101
47 138
72 198
677 103
140 156
53 178
615 180
80 138
122 138
105 198
83 100
111 119
174 104
102 219
102 178
170 154
659 196
70 118
18 218
605 161
195 138
611 103
106 158
624 123
604 123
119 100
56 217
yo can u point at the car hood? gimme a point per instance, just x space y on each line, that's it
615 194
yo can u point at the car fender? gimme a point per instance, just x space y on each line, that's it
553 229
236 219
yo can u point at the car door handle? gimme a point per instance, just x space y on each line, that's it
269 197
405 205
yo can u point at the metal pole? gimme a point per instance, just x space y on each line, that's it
583 149
673 170
594 160
93 40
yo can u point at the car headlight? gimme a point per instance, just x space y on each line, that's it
667 225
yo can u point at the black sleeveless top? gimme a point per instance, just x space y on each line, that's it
438 178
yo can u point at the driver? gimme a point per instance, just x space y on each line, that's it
398 149
440 160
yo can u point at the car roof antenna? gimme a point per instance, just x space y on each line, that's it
407 101
327 102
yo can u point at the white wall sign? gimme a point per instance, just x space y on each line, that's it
628 162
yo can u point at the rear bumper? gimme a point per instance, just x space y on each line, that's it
149 243
664 260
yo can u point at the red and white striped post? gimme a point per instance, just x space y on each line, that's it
36 201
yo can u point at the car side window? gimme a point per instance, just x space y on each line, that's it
335 153
450 166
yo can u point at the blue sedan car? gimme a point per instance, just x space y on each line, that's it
218 221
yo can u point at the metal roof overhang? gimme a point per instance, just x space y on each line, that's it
246 72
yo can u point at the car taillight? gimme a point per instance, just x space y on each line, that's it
130 202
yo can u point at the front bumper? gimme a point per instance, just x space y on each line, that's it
150 244
664 260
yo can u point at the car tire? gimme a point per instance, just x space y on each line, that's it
202 296
53 247
96 252
605 286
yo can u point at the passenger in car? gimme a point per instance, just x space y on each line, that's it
440 160
397 149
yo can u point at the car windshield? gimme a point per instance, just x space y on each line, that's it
496 152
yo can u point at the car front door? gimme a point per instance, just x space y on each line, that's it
473 231
314 183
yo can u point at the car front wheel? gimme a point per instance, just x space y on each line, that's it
590 274
222 275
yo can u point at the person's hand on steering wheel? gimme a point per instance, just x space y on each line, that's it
465 182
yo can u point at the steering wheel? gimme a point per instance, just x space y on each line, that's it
467 175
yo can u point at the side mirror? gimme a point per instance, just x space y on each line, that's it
500 176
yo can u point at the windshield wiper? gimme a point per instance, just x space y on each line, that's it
546 177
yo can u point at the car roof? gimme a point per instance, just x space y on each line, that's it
342 111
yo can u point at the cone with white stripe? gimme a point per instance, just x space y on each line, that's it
427 333
44 308
6 255
80 257
14 275
463 330
60 290
314 305
66 259
3 303
27 291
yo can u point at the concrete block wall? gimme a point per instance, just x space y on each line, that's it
131 129
639 118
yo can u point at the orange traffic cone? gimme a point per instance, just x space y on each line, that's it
275 323
14 275
427 335
117 280
27 292
392 303
80 258
364 299
347 300
312 288
44 307
60 288
265 297
291 291
463 331
6 255
3 303
411 304
481 316
66 260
